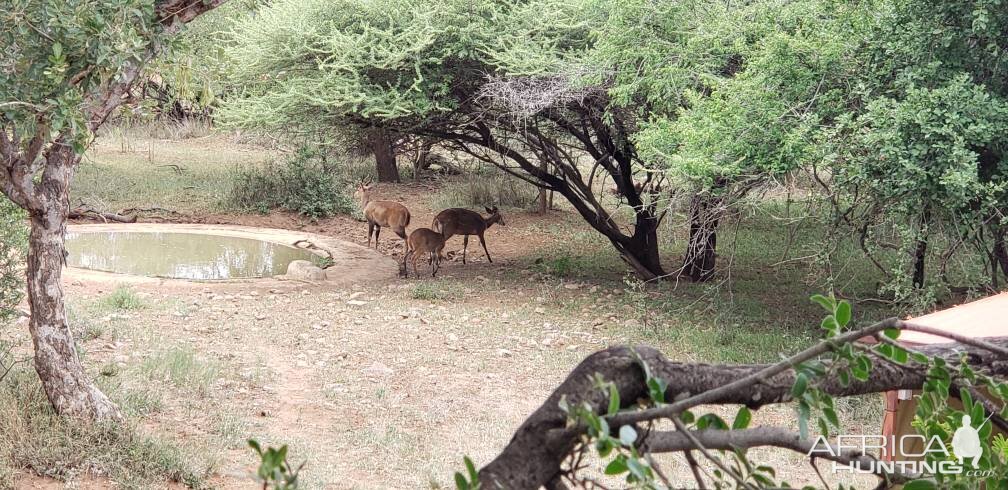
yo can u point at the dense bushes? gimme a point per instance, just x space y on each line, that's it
13 240
304 183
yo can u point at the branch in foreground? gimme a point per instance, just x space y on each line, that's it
676 441
539 446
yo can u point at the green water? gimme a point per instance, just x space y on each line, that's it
180 255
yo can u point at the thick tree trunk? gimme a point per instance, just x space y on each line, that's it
381 143
701 249
920 254
64 379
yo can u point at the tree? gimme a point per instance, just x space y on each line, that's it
611 402
66 67
915 155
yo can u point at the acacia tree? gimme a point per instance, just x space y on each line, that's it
64 68
611 405
552 93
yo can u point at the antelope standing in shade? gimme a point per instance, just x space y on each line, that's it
458 221
389 214
424 241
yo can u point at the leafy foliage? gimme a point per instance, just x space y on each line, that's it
13 247
304 183
274 471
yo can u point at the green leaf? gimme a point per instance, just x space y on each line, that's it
460 482
617 466
843 313
800 385
920 485
892 333
471 468
742 418
614 399
627 435
828 304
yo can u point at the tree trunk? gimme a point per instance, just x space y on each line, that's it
920 251
543 203
421 163
66 384
380 141
701 250
1000 250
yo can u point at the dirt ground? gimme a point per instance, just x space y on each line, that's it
382 383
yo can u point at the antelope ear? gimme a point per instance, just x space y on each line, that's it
489 209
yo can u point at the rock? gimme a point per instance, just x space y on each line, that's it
378 369
540 310
594 289
632 323
503 353
356 295
356 302
260 317
572 285
304 270
452 337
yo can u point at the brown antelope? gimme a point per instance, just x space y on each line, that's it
389 214
424 241
458 221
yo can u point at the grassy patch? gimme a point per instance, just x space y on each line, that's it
181 367
123 298
490 187
37 440
436 291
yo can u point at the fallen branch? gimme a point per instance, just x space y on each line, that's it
84 211
540 445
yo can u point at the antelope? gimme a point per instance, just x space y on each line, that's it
424 241
389 214
458 221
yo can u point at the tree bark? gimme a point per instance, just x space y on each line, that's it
701 249
535 453
67 385
381 143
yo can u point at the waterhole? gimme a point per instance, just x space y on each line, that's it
181 255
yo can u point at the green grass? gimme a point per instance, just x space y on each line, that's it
488 187
431 290
133 168
35 439
123 298
181 367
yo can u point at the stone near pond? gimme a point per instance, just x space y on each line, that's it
305 271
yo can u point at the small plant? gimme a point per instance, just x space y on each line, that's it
470 481
123 298
275 471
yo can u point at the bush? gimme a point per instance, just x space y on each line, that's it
123 298
13 246
303 183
